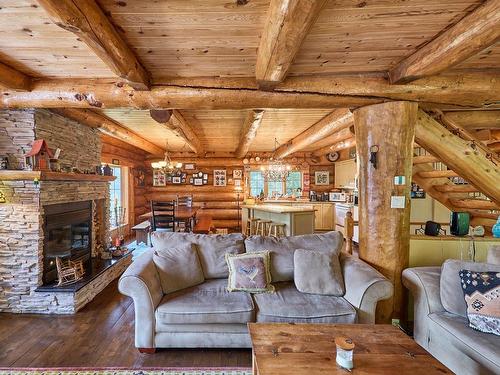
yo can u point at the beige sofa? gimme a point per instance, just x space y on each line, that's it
207 315
440 321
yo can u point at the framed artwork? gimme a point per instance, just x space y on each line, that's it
176 180
198 182
237 183
189 167
322 178
219 177
159 178
238 174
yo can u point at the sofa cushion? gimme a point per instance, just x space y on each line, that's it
209 302
249 272
290 305
211 248
283 248
318 273
455 344
482 296
452 296
178 267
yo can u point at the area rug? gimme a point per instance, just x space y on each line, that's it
127 371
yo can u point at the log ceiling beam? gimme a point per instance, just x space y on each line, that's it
87 20
184 130
110 127
13 79
337 140
464 90
333 122
287 24
249 132
475 32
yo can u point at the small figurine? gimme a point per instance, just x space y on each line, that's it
39 156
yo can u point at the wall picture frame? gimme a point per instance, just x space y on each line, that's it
189 167
322 178
238 174
159 178
220 177
198 182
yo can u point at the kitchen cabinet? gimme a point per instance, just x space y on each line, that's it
324 216
345 173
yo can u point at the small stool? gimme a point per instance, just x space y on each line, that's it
262 227
277 230
250 229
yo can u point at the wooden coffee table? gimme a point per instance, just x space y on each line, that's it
285 349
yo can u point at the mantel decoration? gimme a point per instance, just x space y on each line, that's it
276 169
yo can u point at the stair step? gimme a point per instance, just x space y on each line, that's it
437 174
479 204
450 188
424 159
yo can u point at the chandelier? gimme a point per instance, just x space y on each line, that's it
275 170
166 165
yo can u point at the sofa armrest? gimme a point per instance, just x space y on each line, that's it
364 287
423 283
141 282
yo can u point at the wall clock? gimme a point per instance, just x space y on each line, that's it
332 156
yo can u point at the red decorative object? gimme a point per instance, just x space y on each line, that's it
39 156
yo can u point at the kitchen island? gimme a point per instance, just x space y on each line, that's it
298 219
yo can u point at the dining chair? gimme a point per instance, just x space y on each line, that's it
185 200
163 216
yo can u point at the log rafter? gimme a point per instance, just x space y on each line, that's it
475 32
13 79
333 122
183 129
287 24
110 127
249 132
87 20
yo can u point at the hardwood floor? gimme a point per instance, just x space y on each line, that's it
100 335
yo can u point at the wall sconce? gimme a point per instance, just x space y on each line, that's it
2 198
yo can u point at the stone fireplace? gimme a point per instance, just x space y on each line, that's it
59 215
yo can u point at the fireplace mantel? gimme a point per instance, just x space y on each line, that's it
8 175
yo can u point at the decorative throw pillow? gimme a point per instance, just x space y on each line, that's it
318 272
178 267
482 296
249 272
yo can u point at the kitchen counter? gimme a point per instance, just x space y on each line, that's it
298 219
277 208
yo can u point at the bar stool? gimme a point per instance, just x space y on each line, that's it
263 227
250 229
277 230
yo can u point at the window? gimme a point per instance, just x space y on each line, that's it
257 184
118 193
293 182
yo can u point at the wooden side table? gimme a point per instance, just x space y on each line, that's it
309 349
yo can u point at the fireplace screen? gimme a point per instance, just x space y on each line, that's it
68 235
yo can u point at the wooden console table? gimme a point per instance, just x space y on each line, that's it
283 349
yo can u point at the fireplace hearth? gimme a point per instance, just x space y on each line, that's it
68 235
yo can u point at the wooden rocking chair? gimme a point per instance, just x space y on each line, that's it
69 272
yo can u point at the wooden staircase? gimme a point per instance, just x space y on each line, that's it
448 188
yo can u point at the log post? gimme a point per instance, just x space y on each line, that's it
384 232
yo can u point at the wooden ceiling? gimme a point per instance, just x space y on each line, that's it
220 38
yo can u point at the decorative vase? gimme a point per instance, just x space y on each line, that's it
496 229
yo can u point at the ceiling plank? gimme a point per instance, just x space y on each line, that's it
462 90
110 127
288 23
13 79
249 132
86 19
335 121
475 32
